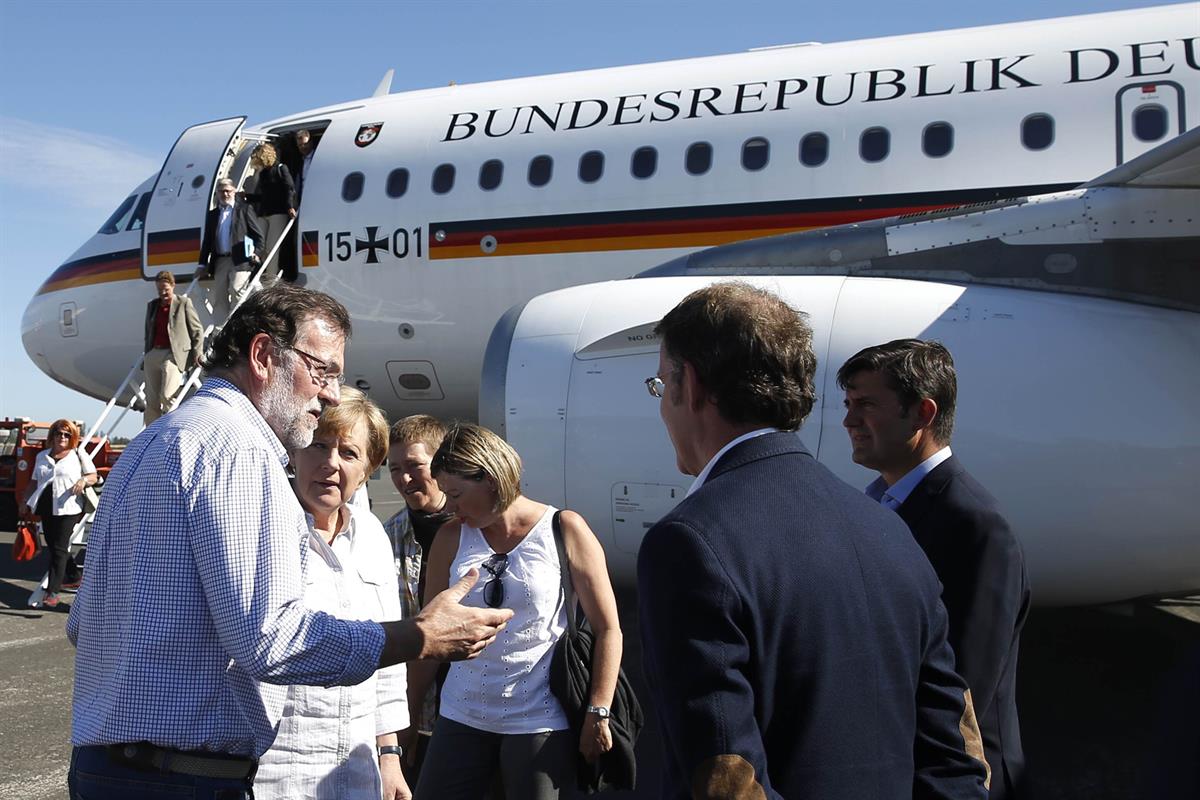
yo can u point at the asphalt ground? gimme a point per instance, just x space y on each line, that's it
1109 697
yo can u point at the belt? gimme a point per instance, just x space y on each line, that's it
147 757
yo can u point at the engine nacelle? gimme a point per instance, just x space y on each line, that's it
1082 415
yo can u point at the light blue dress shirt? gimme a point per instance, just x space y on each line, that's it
894 496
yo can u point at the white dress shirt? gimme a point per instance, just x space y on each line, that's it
894 496
325 746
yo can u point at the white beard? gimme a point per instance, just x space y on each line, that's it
287 414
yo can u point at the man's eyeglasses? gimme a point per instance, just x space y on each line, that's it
493 590
319 370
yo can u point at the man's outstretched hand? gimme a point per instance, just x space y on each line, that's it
445 630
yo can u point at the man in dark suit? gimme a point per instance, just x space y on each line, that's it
174 344
224 254
900 399
794 642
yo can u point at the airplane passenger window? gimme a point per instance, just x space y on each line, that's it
874 144
938 139
591 166
540 170
1037 131
443 179
644 162
698 158
1150 122
490 174
116 222
139 214
755 153
814 149
352 186
397 182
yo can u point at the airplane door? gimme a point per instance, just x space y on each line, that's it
1147 115
181 196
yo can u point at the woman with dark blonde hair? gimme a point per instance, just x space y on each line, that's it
274 199
340 742
61 473
497 712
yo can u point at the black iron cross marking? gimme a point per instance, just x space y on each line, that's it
372 245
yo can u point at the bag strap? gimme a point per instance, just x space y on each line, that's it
564 570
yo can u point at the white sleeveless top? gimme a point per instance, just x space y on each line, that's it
506 689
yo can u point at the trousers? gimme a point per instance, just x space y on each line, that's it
461 762
163 380
93 776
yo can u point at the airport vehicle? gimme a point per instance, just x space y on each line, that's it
431 213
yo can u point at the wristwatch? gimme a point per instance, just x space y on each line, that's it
600 711
391 750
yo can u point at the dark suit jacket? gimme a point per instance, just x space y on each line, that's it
274 192
793 636
986 592
183 329
245 223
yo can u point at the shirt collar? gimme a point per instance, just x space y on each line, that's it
901 489
703 476
228 393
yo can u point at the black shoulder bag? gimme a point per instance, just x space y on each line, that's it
571 683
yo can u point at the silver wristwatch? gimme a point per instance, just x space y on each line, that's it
600 711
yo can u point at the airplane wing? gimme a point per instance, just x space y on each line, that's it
1174 165
1132 234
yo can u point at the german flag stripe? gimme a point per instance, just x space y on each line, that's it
686 226
310 255
121 266
166 248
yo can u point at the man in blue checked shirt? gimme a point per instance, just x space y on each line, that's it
190 620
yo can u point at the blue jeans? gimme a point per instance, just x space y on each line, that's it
94 777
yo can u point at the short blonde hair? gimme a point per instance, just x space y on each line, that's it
473 452
265 155
356 407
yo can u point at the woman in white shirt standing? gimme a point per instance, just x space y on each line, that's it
339 742
497 712
61 473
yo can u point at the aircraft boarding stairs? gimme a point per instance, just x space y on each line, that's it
137 398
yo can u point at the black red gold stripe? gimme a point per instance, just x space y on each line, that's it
167 248
310 255
685 226
120 266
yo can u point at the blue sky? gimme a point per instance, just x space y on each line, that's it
93 94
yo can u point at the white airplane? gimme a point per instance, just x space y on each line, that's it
431 213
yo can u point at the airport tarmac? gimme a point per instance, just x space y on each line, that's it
1109 697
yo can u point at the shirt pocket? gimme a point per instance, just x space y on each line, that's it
379 584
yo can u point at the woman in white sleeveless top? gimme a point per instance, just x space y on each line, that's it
497 711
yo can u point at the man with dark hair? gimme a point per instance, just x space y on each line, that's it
174 343
190 618
900 400
794 642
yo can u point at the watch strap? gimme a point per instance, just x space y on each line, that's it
391 750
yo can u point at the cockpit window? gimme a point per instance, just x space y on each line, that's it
139 213
116 223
